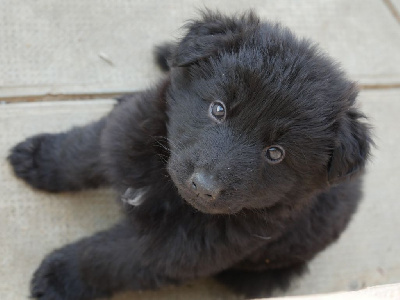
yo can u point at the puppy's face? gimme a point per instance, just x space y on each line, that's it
259 124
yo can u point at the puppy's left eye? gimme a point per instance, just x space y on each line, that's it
218 111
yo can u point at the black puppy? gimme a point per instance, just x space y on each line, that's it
241 163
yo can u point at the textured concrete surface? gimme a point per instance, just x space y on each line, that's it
93 47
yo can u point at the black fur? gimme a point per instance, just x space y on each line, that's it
202 190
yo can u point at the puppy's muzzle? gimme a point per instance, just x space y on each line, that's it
204 185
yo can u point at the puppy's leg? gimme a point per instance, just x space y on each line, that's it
122 259
77 271
61 162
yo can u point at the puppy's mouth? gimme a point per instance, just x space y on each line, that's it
207 205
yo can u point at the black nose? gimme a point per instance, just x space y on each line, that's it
204 185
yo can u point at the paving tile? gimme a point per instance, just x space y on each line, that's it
105 46
32 223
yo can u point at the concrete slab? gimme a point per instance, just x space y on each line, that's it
102 46
33 223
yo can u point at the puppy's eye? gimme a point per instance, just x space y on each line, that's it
274 154
218 111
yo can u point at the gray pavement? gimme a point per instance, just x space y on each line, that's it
99 46
91 47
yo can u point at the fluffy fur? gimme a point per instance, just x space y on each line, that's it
242 163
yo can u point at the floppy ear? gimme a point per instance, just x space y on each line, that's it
194 48
210 35
352 148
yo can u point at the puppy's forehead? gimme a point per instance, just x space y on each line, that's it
274 80
249 81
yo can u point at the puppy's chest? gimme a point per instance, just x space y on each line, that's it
264 259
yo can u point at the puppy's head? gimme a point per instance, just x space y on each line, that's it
258 117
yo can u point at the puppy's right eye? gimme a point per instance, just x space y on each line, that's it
274 154
218 111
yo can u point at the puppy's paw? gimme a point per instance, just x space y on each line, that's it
58 278
50 280
32 161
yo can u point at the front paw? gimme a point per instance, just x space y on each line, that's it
58 278
32 161
51 279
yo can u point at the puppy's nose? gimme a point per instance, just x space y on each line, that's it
204 185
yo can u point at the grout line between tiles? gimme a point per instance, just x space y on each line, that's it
392 10
72 97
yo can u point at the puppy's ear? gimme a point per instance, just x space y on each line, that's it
211 34
195 47
163 54
352 148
